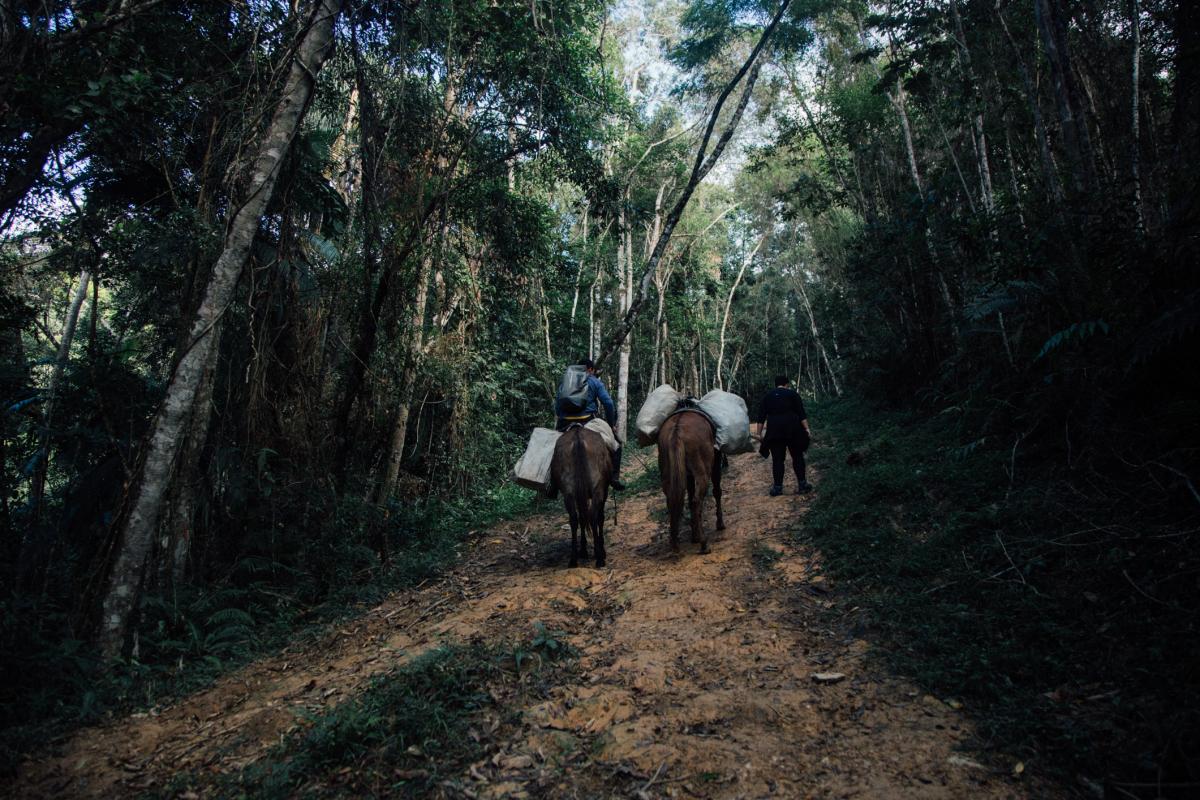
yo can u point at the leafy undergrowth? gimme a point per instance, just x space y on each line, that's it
267 600
1062 612
411 730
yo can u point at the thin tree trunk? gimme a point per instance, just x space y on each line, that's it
545 319
705 160
37 484
957 169
136 535
407 380
979 135
177 544
625 276
1050 174
898 100
749 257
579 274
812 324
593 320
1135 148
1012 177
661 280
1075 137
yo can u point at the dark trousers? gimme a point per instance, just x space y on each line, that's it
779 449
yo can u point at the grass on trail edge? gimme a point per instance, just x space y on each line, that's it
412 729
967 588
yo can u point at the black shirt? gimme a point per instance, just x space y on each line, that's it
782 410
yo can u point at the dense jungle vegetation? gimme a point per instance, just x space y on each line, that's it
284 287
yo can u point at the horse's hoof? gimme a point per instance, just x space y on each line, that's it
600 563
704 549
720 526
573 564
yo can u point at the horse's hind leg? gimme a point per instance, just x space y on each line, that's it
573 516
598 534
716 485
698 523
674 512
583 532
691 498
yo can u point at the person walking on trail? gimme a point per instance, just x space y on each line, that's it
580 398
782 411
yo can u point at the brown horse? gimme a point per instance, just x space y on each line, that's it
687 457
581 468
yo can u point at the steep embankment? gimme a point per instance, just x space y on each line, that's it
695 677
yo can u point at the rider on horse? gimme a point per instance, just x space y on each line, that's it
596 395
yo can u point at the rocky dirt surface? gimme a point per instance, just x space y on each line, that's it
731 675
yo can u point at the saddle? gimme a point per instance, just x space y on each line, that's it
690 403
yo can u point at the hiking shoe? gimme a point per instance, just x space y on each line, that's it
804 488
776 490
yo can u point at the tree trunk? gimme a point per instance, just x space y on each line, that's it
898 102
812 324
545 319
1076 139
1135 146
136 535
177 544
579 277
625 276
37 484
408 373
749 257
978 135
1049 173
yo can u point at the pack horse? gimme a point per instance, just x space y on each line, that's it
692 435
581 459
688 461
581 469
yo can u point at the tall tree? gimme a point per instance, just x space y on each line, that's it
134 542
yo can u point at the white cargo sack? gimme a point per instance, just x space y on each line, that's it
533 470
661 403
606 433
728 413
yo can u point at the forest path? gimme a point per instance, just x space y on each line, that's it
697 676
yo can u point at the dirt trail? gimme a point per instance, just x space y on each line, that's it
697 676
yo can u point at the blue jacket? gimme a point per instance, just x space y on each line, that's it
596 391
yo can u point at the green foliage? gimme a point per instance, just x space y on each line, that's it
764 557
413 720
1076 332
1022 596
281 587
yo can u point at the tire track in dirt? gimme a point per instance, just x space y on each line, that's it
697 676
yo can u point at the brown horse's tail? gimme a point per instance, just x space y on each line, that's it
583 492
677 479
